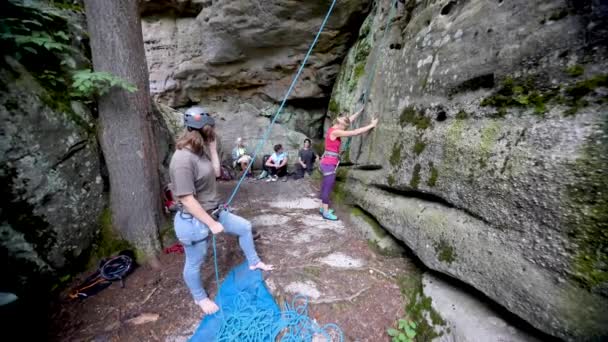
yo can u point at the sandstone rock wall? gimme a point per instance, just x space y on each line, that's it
238 58
493 147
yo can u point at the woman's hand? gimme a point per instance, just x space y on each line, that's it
212 145
374 122
216 227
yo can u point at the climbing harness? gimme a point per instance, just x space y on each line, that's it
366 89
295 317
112 269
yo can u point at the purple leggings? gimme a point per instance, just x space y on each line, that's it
327 185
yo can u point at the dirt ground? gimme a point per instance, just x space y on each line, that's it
347 282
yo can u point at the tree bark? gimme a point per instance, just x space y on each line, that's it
125 122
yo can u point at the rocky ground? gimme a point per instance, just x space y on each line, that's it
347 282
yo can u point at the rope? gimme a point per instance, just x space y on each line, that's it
372 74
250 324
292 324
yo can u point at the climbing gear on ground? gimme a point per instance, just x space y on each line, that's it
366 89
174 248
111 269
329 216
197 118
117 268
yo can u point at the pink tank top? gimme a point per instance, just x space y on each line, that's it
331 146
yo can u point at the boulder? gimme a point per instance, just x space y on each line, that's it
52 188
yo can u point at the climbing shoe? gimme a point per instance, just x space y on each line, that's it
321 211
328 215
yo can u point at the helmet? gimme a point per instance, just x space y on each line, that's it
197 118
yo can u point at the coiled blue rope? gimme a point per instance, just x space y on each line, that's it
292 324
249 323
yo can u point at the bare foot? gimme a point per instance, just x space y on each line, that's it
208 306
261 266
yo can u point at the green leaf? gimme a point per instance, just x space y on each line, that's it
402 337
402 323
31 21
30 49
413 324
409 332
392 332
62 35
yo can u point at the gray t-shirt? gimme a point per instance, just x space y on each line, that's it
193 174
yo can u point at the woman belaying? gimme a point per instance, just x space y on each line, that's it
331 156
193 170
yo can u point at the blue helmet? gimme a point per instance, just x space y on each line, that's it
197 117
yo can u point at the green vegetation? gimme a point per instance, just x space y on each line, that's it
462 115
445 252
434 175
523 93
107 242
419 146
558 14
40 36
580 89
395 158
575 70
519 93
415 181
334 107
419 307
370 220
404 332
410 115
587 214
390 180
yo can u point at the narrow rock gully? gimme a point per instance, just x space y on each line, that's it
346 280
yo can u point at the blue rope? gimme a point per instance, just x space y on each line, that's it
372 73
292 324
249 323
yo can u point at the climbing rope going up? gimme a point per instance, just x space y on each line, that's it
293 324
370 78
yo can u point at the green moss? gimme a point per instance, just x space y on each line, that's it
410 115
379 232
314 271
390 180
462 115
419 307
434 175
587 217
339 194
108 242
521 93
415 181
445 252
334 107
395 158
558 14
575 70
419 146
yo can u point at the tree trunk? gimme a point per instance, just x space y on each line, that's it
125 122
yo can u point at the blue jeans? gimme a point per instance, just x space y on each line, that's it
189 230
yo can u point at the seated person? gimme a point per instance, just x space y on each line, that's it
240 156
306 160
277 164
